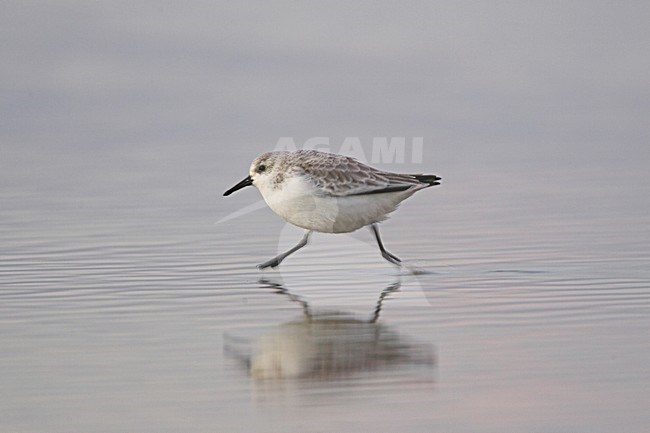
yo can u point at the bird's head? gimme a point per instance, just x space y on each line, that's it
262 173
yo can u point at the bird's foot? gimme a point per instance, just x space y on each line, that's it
391 258
273 263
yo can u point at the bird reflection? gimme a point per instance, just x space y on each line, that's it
327 345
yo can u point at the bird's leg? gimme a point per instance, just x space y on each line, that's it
385 254
387 291
275 262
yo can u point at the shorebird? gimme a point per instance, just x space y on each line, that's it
329 193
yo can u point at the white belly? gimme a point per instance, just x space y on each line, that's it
298 204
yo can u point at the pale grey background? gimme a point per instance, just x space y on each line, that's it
121 124
562 81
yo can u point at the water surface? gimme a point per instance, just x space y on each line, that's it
525 305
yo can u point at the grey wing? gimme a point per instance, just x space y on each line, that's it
341 176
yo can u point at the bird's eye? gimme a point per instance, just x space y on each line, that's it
261 168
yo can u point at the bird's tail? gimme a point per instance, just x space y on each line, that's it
431 179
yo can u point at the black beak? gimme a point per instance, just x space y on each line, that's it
246 182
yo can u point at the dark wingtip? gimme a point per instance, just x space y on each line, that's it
431 179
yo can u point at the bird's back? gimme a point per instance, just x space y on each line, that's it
342 176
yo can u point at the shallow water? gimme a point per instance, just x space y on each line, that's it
524 307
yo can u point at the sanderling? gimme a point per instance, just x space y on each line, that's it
329 193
